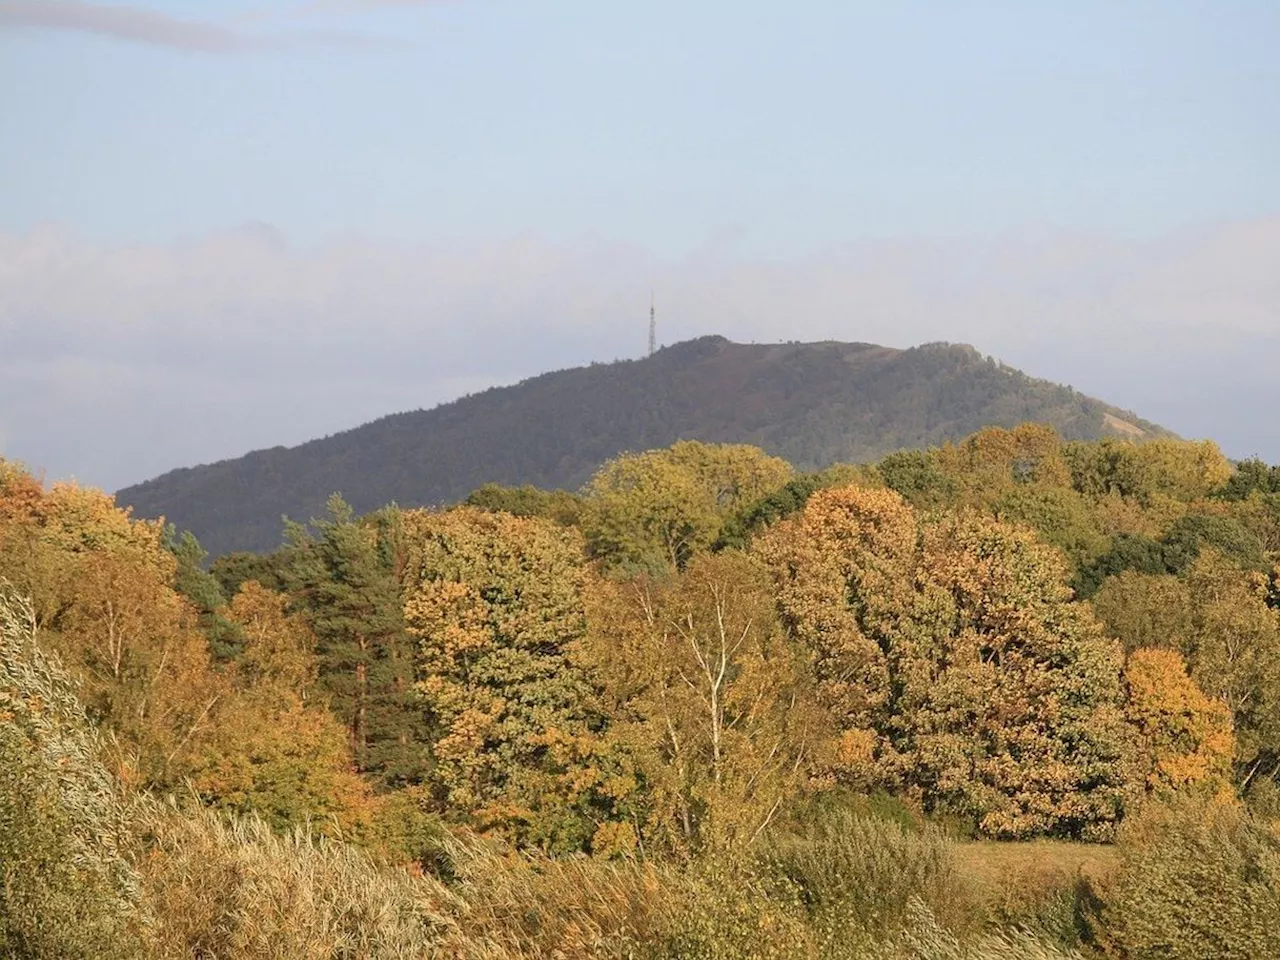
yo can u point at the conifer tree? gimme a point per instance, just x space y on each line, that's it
349 591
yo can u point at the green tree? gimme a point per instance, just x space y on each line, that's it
342 581
653 511
204 592
528 501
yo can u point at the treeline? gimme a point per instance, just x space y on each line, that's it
675 707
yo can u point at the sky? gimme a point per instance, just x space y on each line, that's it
226 226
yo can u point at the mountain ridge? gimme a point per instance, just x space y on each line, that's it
811 403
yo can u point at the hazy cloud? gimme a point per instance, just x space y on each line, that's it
140 25
124 23
122 360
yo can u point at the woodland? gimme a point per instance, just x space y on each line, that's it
1013 696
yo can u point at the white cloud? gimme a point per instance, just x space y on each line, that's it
124 360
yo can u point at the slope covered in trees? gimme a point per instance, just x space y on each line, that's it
812 404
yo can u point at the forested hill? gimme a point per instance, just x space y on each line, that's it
813 404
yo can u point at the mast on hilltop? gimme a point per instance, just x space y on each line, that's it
653 325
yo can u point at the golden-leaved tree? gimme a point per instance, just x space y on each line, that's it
711 699
281 753
495 603
1185 738
1218 618
957 664
101 585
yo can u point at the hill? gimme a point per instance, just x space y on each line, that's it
812 403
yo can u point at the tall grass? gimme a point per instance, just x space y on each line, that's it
67 889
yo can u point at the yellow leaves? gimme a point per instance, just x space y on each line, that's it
847 543
613 840
279 647
1186 738
451 615
711 697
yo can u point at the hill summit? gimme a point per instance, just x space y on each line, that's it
813 404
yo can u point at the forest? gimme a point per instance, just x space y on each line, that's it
1016 696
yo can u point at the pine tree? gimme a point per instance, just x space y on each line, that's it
342 578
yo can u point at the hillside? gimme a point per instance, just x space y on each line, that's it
813 404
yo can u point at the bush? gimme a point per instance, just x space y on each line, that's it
1198 879
66 888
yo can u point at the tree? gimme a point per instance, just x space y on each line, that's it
711 697
1008 704
842 570
528 501
1185 738
143 666
652 511
203 591
1218 618
495 605
955 663
1233 649
339 577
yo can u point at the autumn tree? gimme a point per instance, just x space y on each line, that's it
494 603
101 586
1010 700
1217 616
652 511
711 698
1185 738
994 459
282 755
956 663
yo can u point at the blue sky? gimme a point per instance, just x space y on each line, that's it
1049 164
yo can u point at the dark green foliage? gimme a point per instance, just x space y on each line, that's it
1251 476
527 501
66 888
916 475
746 523
812 404
1174 552
1192 533
1128 552
346 584
205 592
235 569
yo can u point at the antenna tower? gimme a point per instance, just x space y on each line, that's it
653 325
